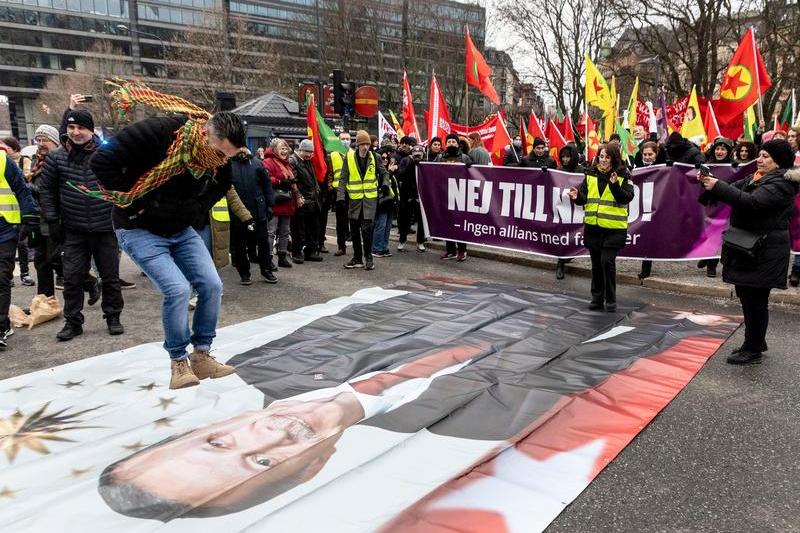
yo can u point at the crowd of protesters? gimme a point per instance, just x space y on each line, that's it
276 210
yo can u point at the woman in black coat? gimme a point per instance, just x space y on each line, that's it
614 187
762 205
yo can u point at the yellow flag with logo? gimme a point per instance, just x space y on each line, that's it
597 92
692 127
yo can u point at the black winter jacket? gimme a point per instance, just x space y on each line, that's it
683 151
172 207
534 161
60 202
407 178
763 207
307 184
252 184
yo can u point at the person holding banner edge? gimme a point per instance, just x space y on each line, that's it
605 194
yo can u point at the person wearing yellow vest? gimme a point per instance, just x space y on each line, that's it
363 175
337 161
605 194
16 207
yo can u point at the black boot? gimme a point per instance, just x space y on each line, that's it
702 263
744 357
94 292
283 262
711 270
560 269
114 326
794 277
69 331
647 267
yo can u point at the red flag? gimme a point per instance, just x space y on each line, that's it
592 140
439 118
318 159
501 140
569 132
523 135
555 140
478 72
409 118
535 128
711 126
745 80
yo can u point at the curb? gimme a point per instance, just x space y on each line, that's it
782 297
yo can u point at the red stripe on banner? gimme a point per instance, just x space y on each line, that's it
614 411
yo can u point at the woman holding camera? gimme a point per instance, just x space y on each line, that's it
605 194
755 247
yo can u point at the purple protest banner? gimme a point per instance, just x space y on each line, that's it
529 210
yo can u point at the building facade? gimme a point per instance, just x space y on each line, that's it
43 40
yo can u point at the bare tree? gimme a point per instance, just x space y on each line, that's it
102 62
779 43
224 55
690 40
556 34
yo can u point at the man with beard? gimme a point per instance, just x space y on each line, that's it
363 174
82 223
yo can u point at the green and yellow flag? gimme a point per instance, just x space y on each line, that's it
750 123
632 105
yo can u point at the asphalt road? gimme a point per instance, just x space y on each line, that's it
723 456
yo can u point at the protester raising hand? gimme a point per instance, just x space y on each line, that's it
573 193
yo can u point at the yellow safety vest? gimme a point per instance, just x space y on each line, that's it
9 206
603 210
220 211
360 187
336 162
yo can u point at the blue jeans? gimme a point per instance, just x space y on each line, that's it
176 265
205 234
381 230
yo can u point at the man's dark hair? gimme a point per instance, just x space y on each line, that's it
229 126
614 137
12 143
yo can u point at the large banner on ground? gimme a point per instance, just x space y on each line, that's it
437 406
529 210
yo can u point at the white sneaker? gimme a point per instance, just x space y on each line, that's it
420 247
401 247
192 302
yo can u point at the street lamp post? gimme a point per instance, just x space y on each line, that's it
123 27
654 60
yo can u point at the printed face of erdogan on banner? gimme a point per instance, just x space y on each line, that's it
230 465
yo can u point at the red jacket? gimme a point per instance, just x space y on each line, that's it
281 176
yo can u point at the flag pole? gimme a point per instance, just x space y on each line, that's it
466 89
758 79
585 130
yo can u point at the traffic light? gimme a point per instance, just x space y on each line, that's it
348 99
343 94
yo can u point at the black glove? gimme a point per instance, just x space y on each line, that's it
33 223
250 225
341 203
55 232
468 164
385 190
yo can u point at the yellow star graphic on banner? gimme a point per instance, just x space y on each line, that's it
165 422
135 447
163 403
33 430
78 472
70 384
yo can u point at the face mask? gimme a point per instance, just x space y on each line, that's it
517 144
452 151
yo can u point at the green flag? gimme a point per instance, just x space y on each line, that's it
330 141
627 145
787 118
750 124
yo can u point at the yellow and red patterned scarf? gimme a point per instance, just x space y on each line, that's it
188 152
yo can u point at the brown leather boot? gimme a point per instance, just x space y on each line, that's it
205 366
182 375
